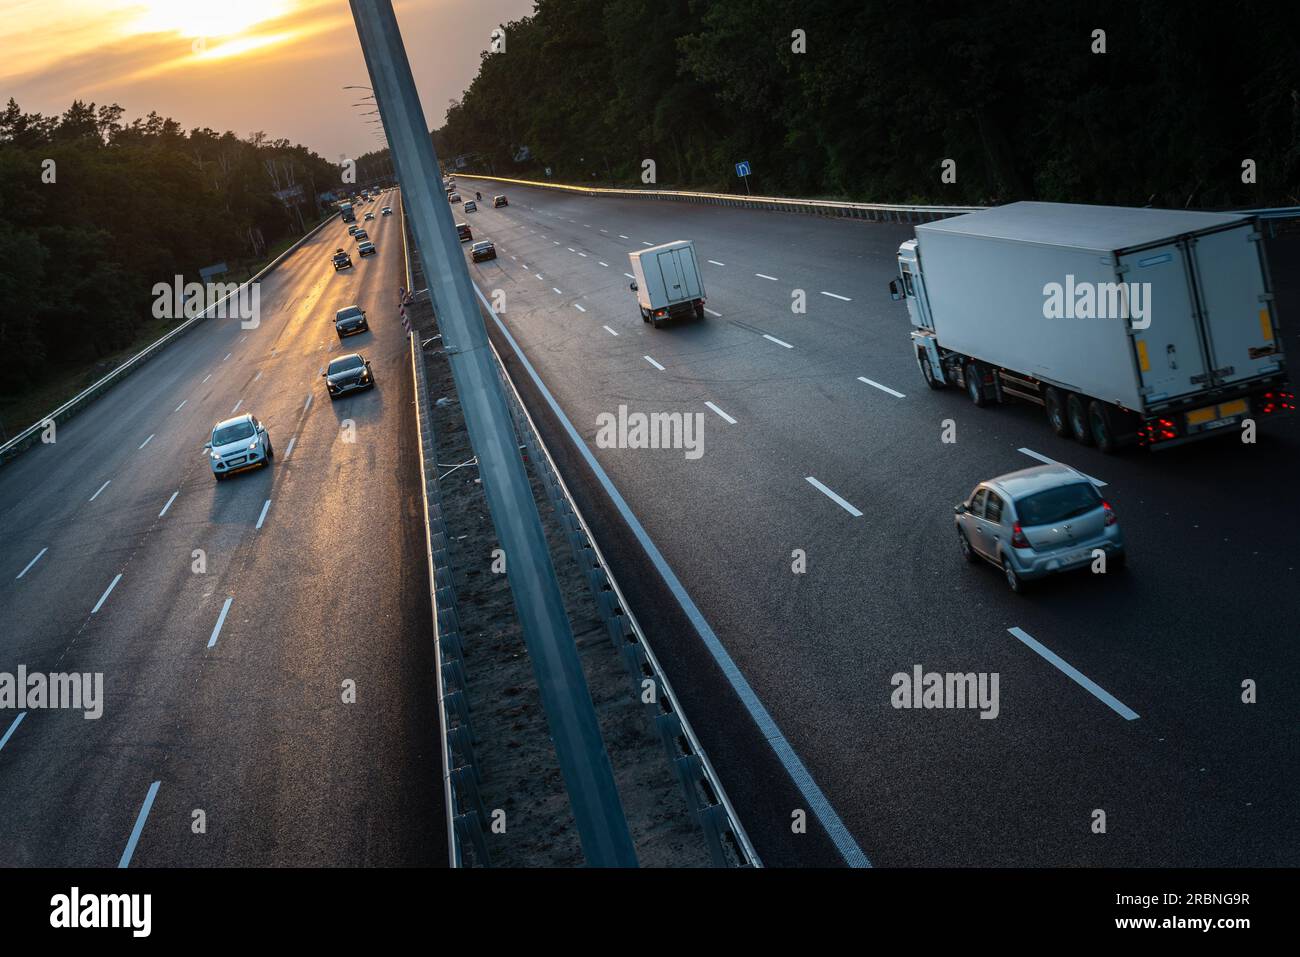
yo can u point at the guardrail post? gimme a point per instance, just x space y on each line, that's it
571 717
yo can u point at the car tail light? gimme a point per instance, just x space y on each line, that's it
1110 514
1157 430
1018 539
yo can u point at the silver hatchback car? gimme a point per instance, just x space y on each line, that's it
1037 522
237 444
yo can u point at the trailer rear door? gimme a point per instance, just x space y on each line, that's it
670 269
1236 305
1170 357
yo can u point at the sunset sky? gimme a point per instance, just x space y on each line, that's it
243 65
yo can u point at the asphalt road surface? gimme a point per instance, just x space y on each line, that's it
820 436
247 722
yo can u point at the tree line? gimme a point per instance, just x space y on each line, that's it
95 210
867 99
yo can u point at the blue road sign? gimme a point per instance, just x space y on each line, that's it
742 168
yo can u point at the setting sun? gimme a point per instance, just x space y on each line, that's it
204 18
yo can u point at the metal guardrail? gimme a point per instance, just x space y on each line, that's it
28 436
709 805
876 212
460 777
466 816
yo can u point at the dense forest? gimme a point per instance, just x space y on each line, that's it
884 92
131 204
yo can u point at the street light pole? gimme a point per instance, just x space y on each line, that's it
570 715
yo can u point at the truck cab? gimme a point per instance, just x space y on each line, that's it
910 287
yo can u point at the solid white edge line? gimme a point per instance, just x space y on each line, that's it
799 774
609 330
779 342
720 412
832 496
32 562
1044 459
1075 675
107 591
882 388
262 518
221 620
169 503
653 363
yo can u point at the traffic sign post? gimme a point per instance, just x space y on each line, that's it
742 170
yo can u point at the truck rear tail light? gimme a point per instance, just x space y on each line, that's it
1154 431
1018 539
1110 514
1272 402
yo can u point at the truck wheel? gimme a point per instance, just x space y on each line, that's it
645 317
699 310
1054 403
975 384
1102 426
927 370
1076 407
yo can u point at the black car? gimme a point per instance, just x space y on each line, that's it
483 250
350 320
499 201
348 373
341 260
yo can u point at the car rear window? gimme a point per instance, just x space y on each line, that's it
1057 504
232 433
348 313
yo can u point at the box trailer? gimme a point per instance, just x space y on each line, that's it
1145 326
667 282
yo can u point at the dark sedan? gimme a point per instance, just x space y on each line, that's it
348 374
481 251
350 320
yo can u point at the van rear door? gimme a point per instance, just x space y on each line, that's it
1236 304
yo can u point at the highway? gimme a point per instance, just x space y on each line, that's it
1118 694
231 619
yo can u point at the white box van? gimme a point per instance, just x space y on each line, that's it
667 282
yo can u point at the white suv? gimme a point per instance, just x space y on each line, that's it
237 444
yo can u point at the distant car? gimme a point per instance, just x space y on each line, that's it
350 320
463 231
471 206
238 444
348 374
482 250
341 260
360 234
454 197
1037 522
369 217
352 230
366 248
499 201
388 210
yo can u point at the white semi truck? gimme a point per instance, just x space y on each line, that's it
667 282
1147 326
